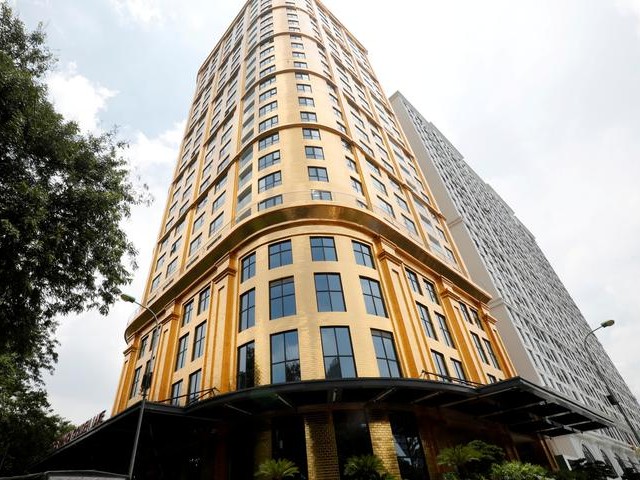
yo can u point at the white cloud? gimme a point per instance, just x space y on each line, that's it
632 8
78 98
144 12
161 150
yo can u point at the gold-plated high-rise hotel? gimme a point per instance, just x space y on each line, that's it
312 304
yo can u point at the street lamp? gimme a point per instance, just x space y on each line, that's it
146 378
610 395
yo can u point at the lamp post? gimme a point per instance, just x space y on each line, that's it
146 378
610 395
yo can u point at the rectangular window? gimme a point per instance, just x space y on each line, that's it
198 341
194 386
216 225
318 174
268 94
299 64
269 107
379 185
492 354
285 357
181 356
306 102
458 370
248 269
431 291
280 254
269 181
203 300
445 334
268 123
480 350
323 249
218 203
267 82
373 297
156 282
247 310
476 318
135 383
357 186
362 254
465 312
425 318
187 312
441 366
413 281
176 391
246 366
337 353
195 244
308 117
329 295
385 207
311 134
385 354
269 159
143 346
270 202
321 195
268 141
302 76
282 298
302 87
491 378
315 153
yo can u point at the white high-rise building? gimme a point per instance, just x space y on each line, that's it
541 325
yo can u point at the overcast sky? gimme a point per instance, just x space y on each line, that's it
542 97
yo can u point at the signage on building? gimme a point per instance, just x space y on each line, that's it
80 430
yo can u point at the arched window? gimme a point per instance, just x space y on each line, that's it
587 454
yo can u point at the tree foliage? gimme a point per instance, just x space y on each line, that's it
276 469
366 467
63 195
517 471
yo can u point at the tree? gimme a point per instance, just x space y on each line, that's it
63 195
276 469
517 471
366 467
582 468
458 458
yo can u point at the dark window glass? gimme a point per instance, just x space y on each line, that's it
413 281
362 253
321 195
280 254
181 356
323 249
187 312
491 378
311 134
282 298
288 441
318 174
481 352
458 369
425 318
198 341
246 366
176 391
329 296
203 300
476 318
337 352
247 309
136 382
352 435
285 358
248 267
431 291
194 386
465 312
373 297
408 446
143 346
269 181
492 355
270 159
270 202
315 153
445 334
385 354
441 366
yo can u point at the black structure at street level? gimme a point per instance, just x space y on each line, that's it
178 440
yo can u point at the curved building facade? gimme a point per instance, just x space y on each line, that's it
311 301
